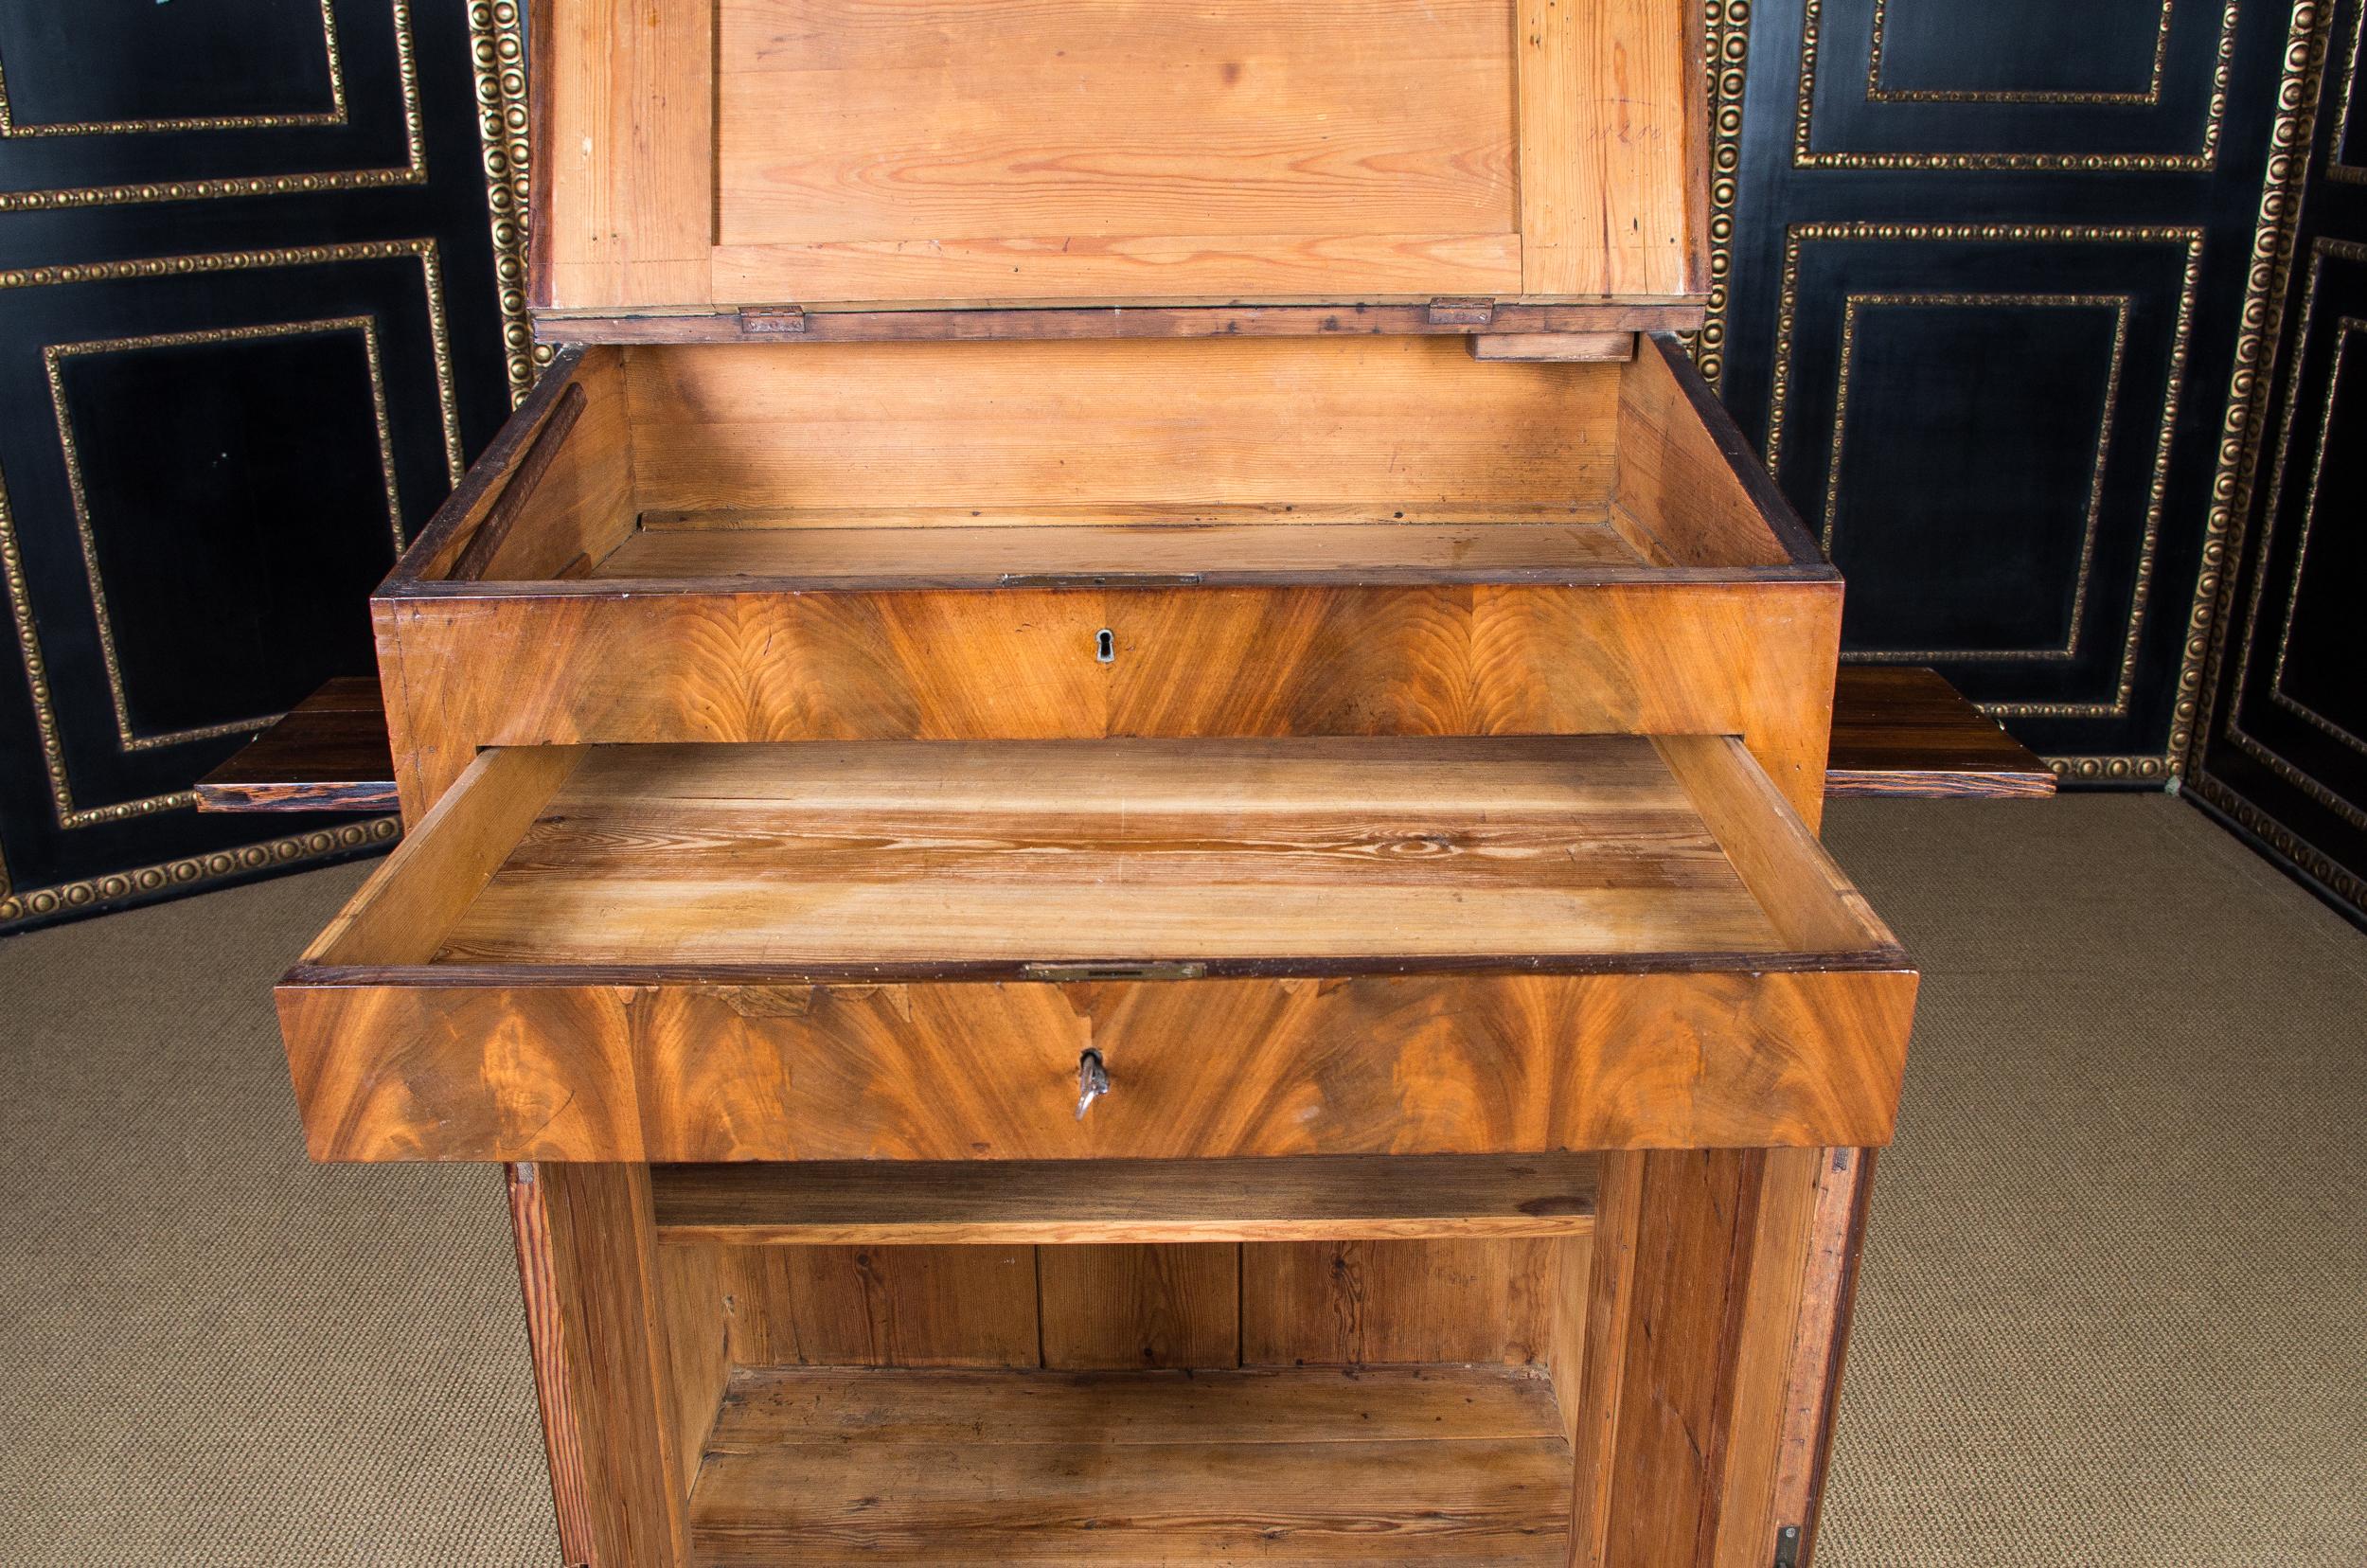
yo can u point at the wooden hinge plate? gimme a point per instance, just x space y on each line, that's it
1458 311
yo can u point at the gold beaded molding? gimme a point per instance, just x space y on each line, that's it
1726 47
2242 428
413 170
497 39
67 898
1803 154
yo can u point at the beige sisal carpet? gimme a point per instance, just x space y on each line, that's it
2114 1309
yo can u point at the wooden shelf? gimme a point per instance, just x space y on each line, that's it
1015 1204
329 754
1901 730
1444 1466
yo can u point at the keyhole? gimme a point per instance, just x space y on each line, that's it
1105 645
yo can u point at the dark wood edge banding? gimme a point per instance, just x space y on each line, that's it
478 552
492 465
624 588
464 976
1758 483
1928 784
539 46
923 324
370 794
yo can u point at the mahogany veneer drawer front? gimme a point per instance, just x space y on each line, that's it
907 950
1348 535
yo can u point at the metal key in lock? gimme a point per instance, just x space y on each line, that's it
1092 1081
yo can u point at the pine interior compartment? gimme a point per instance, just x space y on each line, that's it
1401 1399
827 951
1349 458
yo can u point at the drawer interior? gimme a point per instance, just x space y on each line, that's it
821 951
1347 459
976 858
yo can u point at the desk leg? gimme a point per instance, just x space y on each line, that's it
1718 1305
587 1259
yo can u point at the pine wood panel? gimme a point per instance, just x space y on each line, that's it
893 855
586 1259
924 551
1140 1307
624 102
1437 1466
1553 347
841 122
692 1305
1687 477
1614 148
1134 1200
1719 1292
870 1306
1373 1303
1187 421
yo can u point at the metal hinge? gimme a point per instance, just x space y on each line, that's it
772 321
1788 1547
1155 971
1455 312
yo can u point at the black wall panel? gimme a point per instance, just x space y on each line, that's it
1987 292
250 332
2285 751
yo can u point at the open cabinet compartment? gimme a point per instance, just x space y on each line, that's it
1286 1360
1400 1400
906 950
1332 535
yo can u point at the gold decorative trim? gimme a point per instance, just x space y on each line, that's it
2338 880
67 898
54 358
1803 154
2243 425
334 115
497 43
2120 305
413 172
11 558
2251 745
2347 326
2335 169
2106 768
1726 48
1876 93
2157 500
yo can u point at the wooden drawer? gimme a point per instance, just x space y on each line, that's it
904 950
1346 535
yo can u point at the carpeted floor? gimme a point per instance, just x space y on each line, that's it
2113 1314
